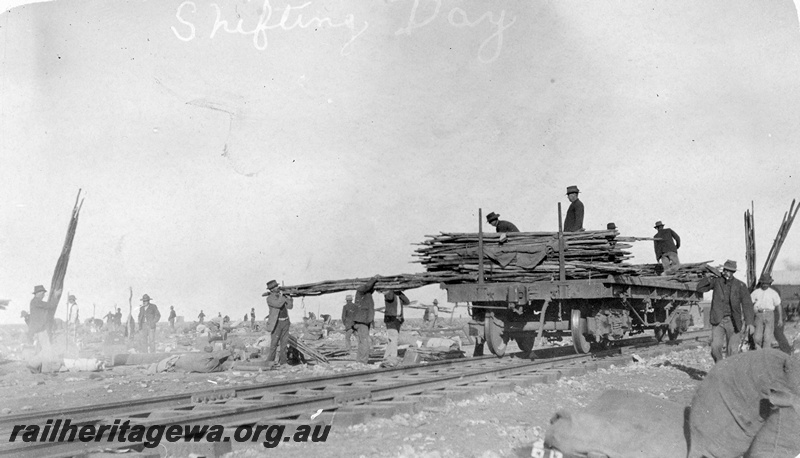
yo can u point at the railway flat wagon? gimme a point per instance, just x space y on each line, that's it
596 310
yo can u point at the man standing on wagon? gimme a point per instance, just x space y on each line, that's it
573 222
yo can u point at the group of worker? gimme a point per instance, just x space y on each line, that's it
358 316
666 241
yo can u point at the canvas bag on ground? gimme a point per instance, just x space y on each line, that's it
621 424
733 403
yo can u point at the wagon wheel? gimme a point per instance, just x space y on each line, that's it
526 341
495 338
579 329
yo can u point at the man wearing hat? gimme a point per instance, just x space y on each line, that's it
40 320
573 222
348 312
364 317
729 303
666 243
431 313
393 318
148 317
500 225
765 301
278 322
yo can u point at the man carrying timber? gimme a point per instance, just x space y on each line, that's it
148 318
278 322
40 321
666 243
729 303
393 318
364 318
573 222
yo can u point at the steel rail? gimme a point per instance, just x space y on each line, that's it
293 398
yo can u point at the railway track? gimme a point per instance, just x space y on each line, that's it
340 399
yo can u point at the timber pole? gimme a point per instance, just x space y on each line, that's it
480 246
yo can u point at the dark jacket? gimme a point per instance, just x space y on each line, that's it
348 312
365 307
172 315
665 244
394 308
39 319
505 226
149 314
730 298
278 305
573 222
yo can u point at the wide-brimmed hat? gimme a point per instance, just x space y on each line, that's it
145 298
349 297
492 217
658 224
765 279
71 297
272 284
611 226
39 289
729 265
572 190
435 301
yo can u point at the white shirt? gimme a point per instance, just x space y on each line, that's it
765 299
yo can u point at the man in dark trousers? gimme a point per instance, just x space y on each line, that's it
729 303
500 225
39 321
172 316
666 243
393 318
148 317
278 322
573 222
252 319
348 313
364 317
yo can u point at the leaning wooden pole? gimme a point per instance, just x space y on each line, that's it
750 246
57 283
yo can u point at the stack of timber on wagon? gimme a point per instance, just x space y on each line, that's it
527 287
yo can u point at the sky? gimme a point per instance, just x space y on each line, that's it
223 144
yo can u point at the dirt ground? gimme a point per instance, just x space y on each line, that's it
487 426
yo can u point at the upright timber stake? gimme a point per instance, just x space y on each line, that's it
480 245
562 274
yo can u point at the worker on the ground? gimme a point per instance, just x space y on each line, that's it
666 243
729 303
172 316
500 225
40 317
348 313
431 313
148 317
364 317
252 318
573 222
201 316
393 318
765 302
278 322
